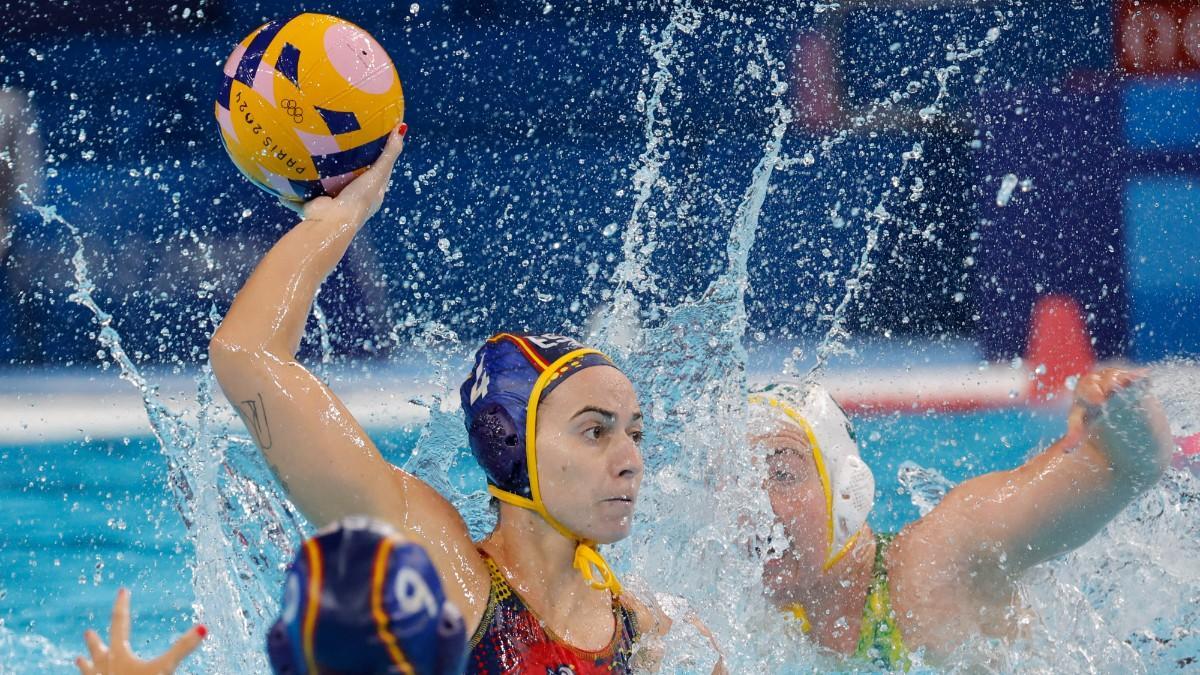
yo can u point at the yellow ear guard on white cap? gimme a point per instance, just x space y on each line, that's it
847 481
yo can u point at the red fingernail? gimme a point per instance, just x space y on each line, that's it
403 129
201 631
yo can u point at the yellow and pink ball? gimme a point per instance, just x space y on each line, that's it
306 104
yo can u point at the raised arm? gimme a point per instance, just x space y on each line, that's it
1118 444
325 461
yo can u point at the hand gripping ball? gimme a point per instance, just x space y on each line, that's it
307 104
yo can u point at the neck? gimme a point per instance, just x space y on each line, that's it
834 599
537 559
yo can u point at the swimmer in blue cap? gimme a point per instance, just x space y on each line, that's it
360 599
951 575
555 425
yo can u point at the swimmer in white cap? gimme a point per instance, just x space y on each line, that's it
950 575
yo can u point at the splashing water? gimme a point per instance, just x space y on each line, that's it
443 437
1007 185
243 530
322 331
23 648
834 342
699 457
632 276
690 368
926 486
690 398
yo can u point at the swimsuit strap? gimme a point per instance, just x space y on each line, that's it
510 631
498 593
880 640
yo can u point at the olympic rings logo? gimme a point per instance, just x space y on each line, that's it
293 109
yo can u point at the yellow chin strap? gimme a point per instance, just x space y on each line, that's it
800 616
588 561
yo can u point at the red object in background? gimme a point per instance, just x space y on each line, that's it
1158 36
1059 345
815 87
1189 446
1188 456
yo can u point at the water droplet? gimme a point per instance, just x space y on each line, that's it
1007 184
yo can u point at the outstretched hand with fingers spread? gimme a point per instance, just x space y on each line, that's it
118 659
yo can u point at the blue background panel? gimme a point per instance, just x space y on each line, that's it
1162 216
1163 114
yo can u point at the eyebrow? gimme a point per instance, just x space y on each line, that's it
608 415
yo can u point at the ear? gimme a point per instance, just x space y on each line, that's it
499 448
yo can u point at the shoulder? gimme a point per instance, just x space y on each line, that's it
428 519
652 621
935 569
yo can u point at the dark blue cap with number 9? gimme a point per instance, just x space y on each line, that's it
358 599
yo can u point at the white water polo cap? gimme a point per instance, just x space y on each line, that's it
846 479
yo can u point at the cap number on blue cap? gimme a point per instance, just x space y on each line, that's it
413 594
479 389
549 341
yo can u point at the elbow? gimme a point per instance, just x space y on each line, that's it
222 349
227 355
233 359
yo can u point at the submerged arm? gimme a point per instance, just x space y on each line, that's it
1117 446
654 625
324 459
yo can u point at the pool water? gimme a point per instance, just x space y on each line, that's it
80 519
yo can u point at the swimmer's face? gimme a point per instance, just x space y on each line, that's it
589 462
798 501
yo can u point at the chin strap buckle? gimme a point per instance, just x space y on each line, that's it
594 569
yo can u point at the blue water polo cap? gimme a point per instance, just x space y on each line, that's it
497 394
358 599
513 373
